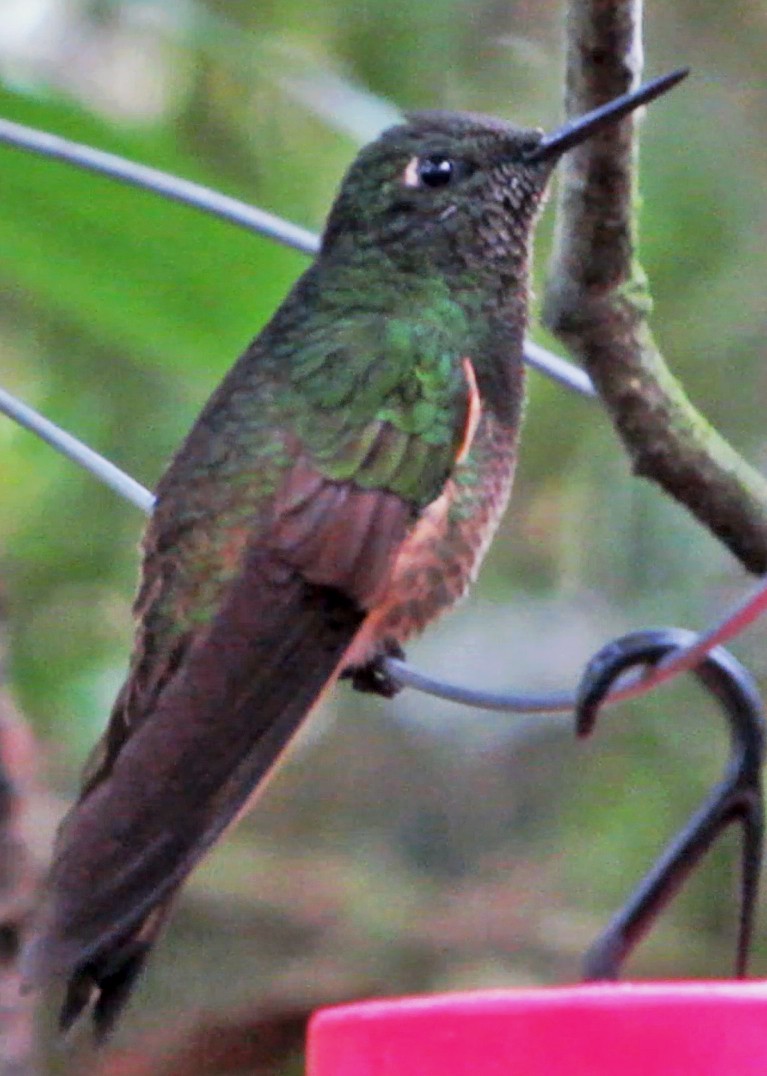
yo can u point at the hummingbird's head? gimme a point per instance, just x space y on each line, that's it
458 188
442 183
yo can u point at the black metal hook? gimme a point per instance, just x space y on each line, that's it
738 797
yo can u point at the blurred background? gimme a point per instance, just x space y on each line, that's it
406 846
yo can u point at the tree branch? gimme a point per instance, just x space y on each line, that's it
597 300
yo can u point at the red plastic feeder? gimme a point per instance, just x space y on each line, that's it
627 1029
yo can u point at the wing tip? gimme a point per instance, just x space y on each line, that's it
98 985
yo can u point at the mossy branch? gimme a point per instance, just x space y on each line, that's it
597 301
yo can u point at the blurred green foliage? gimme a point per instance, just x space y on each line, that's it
119 313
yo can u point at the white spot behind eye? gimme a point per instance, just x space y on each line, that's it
410 177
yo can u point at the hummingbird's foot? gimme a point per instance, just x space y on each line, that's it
736 799
373 677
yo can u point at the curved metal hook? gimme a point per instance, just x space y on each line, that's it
738 797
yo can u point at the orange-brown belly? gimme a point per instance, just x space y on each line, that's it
442 554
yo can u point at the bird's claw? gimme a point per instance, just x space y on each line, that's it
373 677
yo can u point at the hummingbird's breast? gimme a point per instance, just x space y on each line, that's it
442 554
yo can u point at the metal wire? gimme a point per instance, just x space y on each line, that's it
744 613
559 369
18 136
75 450
245 216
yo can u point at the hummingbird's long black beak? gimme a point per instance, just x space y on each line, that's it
576 131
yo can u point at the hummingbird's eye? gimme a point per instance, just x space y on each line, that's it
434 171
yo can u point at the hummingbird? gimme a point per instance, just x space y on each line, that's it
336 494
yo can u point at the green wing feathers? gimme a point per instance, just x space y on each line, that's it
388 404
